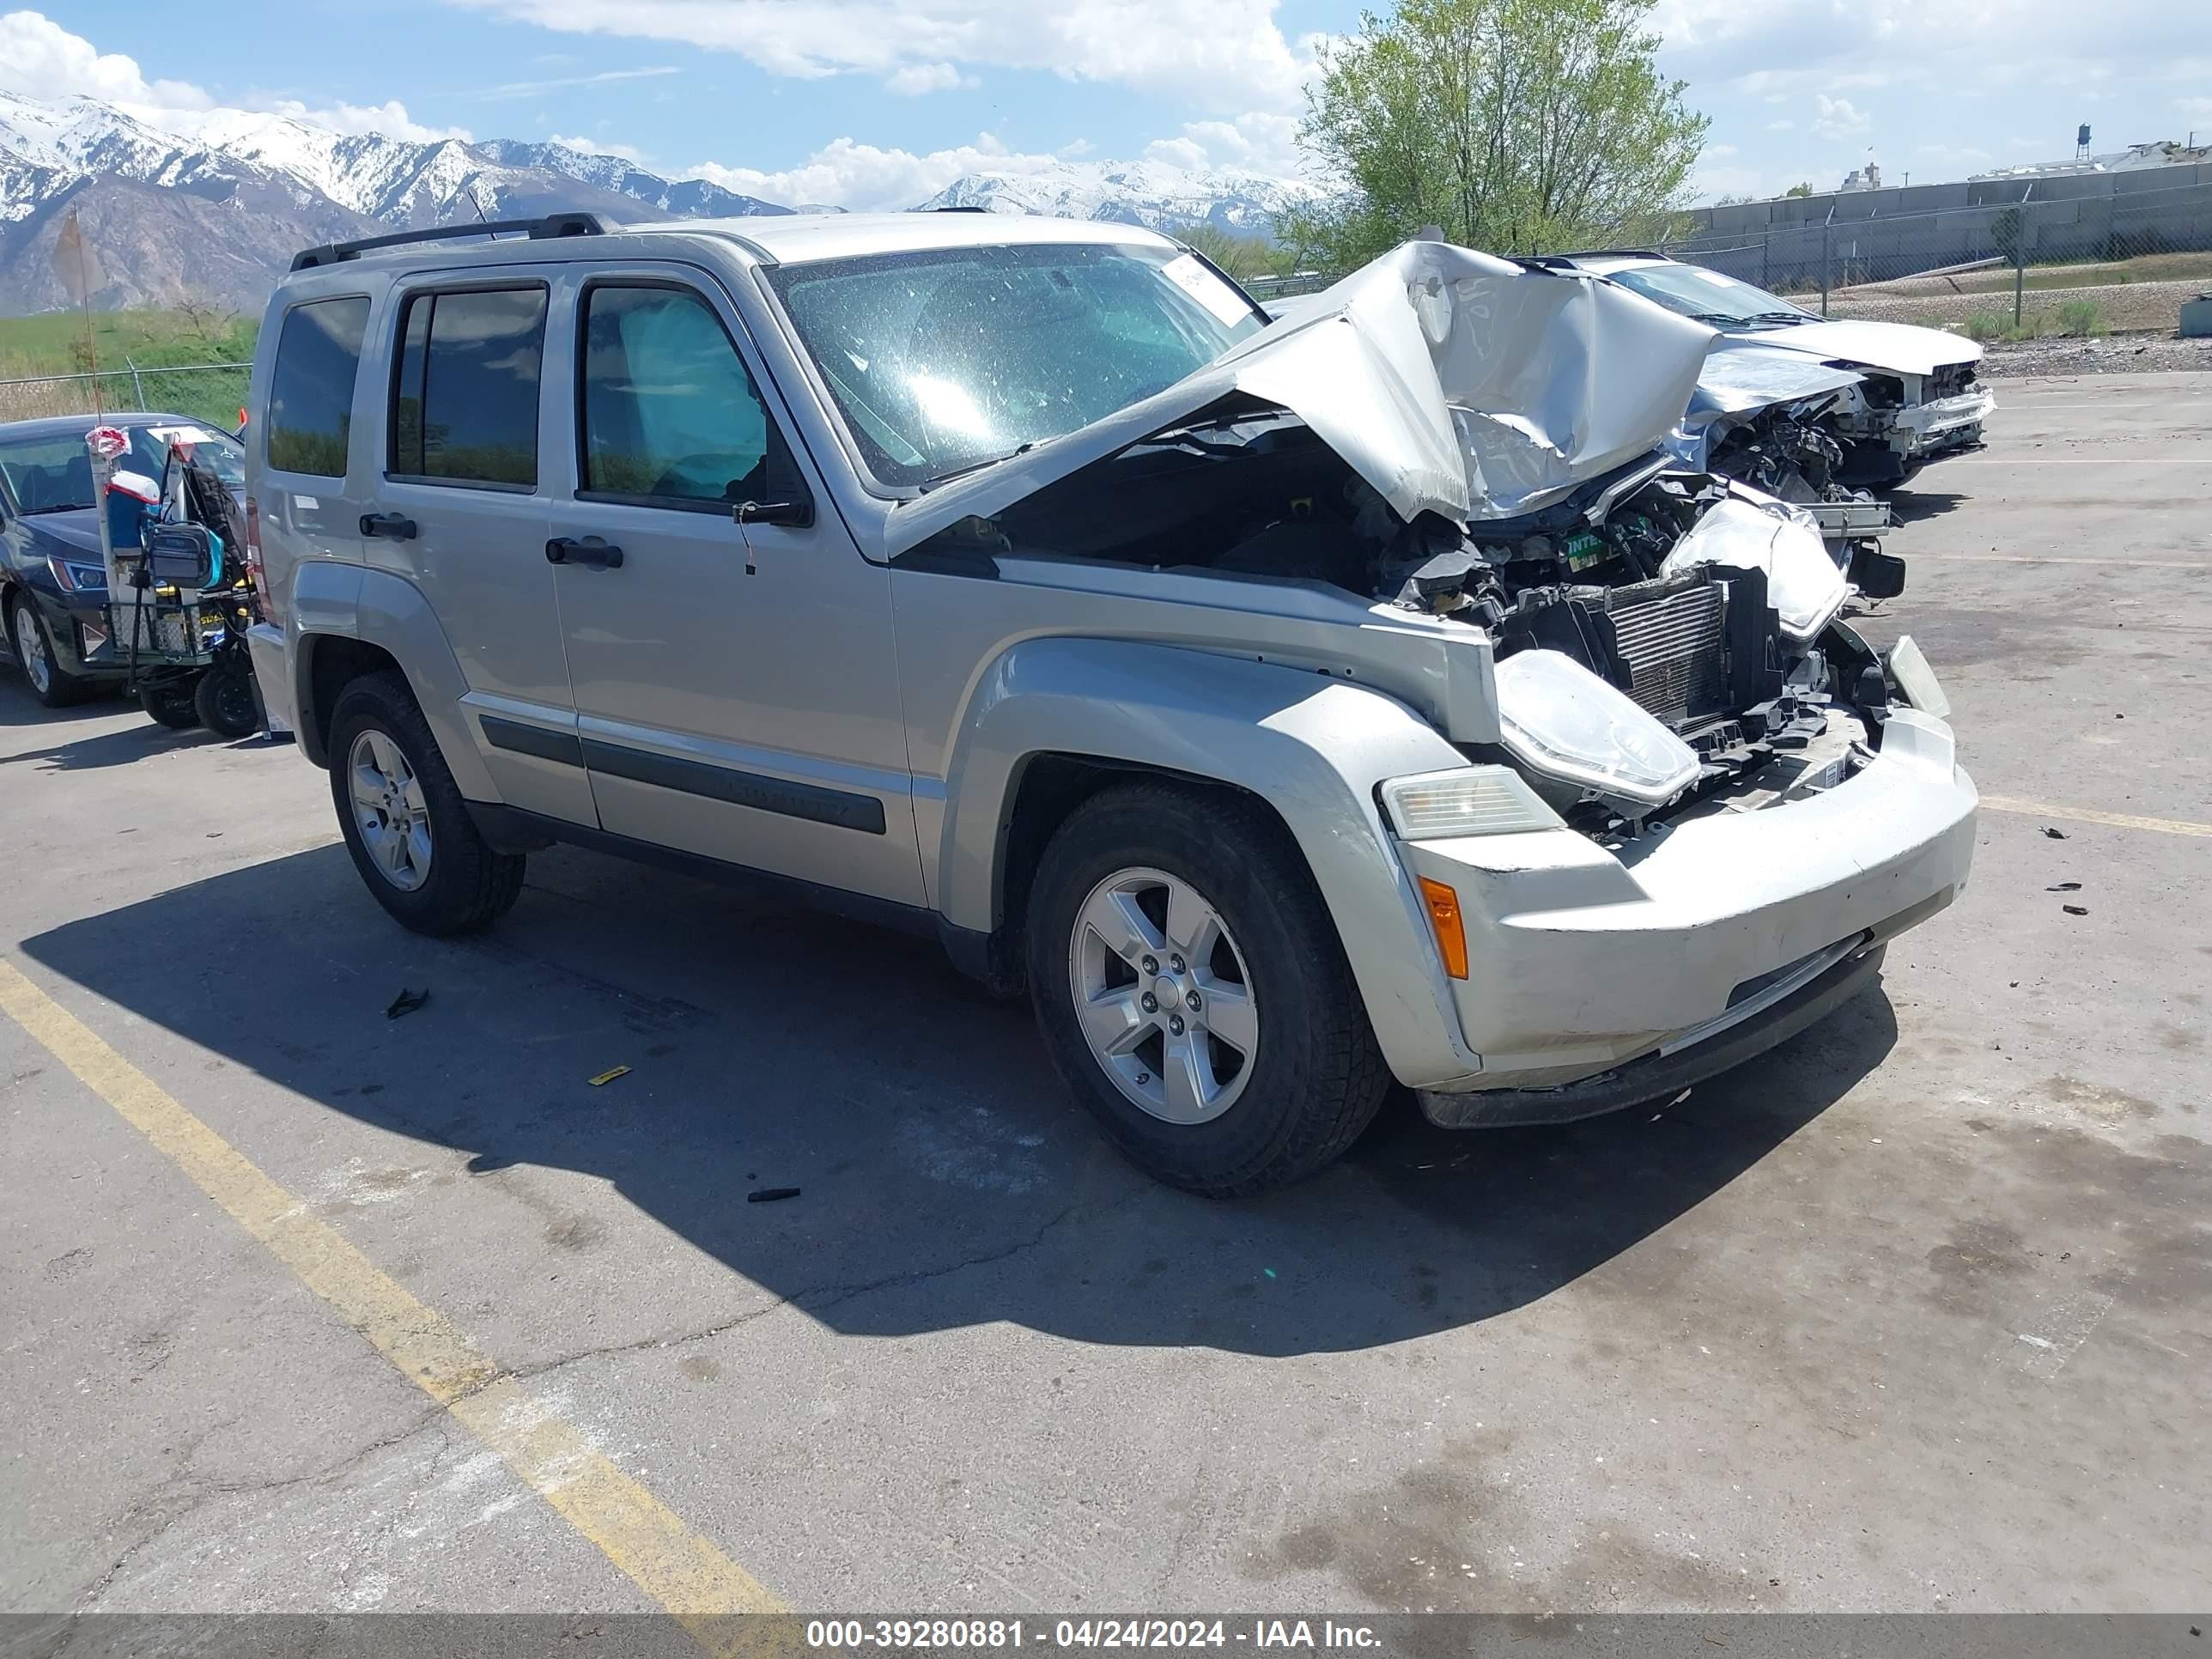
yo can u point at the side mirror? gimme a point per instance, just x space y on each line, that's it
790 515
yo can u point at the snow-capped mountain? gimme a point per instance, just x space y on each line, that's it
214 209
1133 192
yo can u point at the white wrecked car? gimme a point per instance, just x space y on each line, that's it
1920 398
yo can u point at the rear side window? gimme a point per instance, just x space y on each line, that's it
670 413
311 392
464 391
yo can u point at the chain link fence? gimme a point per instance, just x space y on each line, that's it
2078 266
211 393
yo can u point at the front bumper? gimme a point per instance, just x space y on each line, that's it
1582 960
1945 423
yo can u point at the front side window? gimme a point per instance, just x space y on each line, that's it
311 392
465 396
670 413
949 359
1708 296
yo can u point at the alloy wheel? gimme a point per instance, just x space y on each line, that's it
1162 996
390 810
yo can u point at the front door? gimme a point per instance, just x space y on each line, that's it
736 688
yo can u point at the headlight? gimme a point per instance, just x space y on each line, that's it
75 578
1467 800
1561 720
1802 583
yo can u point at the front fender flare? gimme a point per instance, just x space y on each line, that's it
1313 746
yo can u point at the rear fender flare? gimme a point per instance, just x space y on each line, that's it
348 601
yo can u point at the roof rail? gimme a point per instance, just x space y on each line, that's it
1610 254
550 227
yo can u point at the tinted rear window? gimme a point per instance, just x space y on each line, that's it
465 397
310 393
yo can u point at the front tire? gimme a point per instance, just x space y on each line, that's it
32 643
1242 1059
405 822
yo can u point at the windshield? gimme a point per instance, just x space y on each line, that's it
944 361
53 474
1707 295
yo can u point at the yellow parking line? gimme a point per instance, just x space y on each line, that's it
671 1562
2090 815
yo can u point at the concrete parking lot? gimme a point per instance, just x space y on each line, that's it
306 1308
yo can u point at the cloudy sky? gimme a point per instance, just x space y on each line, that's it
878 103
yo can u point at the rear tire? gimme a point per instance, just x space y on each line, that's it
32 644
1312 1077
172 703
444 880
224 698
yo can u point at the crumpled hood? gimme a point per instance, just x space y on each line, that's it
1900 348
1452 382
1742 379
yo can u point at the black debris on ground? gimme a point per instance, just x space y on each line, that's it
407 1002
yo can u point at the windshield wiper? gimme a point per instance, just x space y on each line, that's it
59 507
950 473
1779 317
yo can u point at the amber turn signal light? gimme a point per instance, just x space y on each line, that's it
1444 921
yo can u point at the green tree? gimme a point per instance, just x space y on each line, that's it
1241 257
1805 189
1512 125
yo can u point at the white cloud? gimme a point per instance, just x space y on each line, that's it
391 118
914 80
2196 110
1838 119
866 177
532 89
41 60
1781 126
1221 57
628 152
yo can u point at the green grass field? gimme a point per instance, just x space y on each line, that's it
53 342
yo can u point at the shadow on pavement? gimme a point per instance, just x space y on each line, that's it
1909 506
115 748
946 1179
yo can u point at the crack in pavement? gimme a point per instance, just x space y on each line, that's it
837 1293
196 1496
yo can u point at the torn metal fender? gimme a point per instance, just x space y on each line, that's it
1452 382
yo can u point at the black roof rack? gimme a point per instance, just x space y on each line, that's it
547 229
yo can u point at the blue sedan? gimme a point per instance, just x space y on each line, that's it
53 588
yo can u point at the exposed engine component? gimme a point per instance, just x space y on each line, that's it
1704 603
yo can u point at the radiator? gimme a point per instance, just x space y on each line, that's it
1673 645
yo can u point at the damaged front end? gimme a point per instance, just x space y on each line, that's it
1692 804
1503 449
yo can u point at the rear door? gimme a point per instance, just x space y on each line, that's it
736 686
462 513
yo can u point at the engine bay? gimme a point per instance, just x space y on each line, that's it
1599 577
